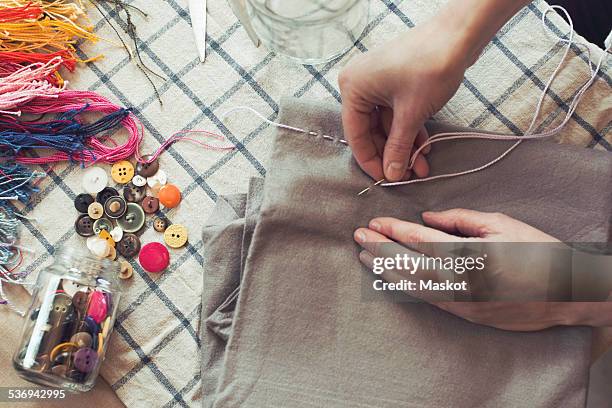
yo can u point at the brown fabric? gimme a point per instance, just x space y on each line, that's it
10 327
302 334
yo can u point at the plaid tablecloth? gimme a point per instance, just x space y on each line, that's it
153 358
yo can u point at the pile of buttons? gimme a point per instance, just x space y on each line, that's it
111 221
79 323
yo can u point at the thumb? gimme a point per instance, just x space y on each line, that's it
460 221
399 144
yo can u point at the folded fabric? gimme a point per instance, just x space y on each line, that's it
302 333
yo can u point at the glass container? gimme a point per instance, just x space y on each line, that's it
69 322
308 31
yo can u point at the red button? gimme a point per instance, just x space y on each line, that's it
154 257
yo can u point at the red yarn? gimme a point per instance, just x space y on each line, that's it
29 11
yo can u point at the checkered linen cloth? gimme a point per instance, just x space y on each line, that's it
153 356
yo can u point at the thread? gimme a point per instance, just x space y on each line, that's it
528 135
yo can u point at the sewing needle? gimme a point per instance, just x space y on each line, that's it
367 189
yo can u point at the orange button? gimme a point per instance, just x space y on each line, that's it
169 195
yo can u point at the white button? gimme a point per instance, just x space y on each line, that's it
94 180
139 181
71 287
98 247
117 233
159 178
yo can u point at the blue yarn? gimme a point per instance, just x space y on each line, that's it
65 134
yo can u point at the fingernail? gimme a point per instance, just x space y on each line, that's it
395 171
375 225
360 236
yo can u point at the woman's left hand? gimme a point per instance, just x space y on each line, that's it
460 225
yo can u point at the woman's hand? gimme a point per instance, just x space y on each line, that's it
389 92
507 275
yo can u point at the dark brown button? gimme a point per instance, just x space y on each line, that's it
134 194
105 194
82 201
129 245
150 204
159 224
60 370
115 207
84 225
147 169
80 301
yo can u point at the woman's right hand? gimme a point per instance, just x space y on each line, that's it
389 92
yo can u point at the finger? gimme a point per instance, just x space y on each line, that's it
399 144
421 138
366 258
421 166
356 123
460 221
408 232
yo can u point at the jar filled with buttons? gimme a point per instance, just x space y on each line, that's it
69 322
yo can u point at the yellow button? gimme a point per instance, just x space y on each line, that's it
175 235
104 234
122 172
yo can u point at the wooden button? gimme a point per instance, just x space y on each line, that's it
95 211
129 245
159 224
122 172
175 235
147 169
126 271
150 204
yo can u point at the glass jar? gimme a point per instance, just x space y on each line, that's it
69 322
308 31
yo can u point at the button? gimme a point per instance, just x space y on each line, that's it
169 195
126 270
84 225
133 219
117 233
159 178
100 248
147 169
95 211
154 257
82 201
106 326
175 235
159 224
115 207
80 300
85 360
112 253
97 306
105 235
82 339
129 245
94 180
102 224
134 194
122 171
150 204
139 181
71 287
105 194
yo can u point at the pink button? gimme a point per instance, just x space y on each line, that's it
154 257
97 306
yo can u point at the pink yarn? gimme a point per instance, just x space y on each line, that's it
27 83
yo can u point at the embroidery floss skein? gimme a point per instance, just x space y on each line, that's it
528 134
